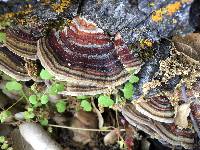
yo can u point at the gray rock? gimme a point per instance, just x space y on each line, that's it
37 137
134 20
112 16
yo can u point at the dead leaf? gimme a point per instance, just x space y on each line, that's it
189 46
111 137
87 120
181 114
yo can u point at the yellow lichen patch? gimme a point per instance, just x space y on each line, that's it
61 6
146 43
172 8
157 16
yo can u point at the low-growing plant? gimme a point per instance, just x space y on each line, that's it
4 143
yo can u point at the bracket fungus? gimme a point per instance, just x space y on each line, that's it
22 42
167 132
13 65
84 54
158 108
77 90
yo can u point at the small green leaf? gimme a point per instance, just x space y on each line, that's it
13 86
45 75
61 106
2 37
55 88
44 122
134 79
82 97
105 101
128 90
4 115
10 148
28 115
33 99
6 77
4 146
2 139
44 99
121 144
86 105
30 109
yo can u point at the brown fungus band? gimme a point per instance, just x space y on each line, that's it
77 90
13 65
84 54
158 108
167 132
22 42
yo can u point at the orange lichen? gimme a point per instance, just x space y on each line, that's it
157 15
172 8
168 10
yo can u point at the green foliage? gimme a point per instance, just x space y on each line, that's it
44 99
61 106
105 101
33 99
45 75
122 144
44 122
86 105
29 114
4 143
134 79
13 86
82 97
6 77
4 146
128 90
4 115
2 37
2 139
55 88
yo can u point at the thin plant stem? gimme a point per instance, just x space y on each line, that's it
83 129
116 112
14 103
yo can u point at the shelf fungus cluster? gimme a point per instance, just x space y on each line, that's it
21 41
86 57
82 55
156 118
172 115
18 55
13 65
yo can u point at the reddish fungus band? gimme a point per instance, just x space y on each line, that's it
22 42
84 54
